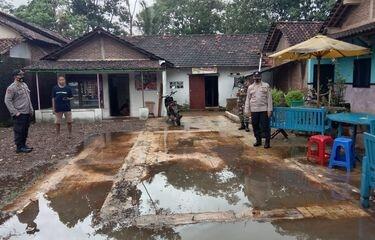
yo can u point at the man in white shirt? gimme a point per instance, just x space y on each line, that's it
259 104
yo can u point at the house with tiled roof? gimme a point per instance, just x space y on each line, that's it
281 35
106 72
21 44
354 22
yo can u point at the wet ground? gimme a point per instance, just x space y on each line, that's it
199 181
20 171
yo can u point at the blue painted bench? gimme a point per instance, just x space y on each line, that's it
372 127
368 170
300 119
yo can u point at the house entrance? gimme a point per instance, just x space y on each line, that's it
119 96
211 91
197 92
327 74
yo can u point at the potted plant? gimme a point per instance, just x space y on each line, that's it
294 98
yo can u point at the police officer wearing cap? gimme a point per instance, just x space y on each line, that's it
259 104
17 99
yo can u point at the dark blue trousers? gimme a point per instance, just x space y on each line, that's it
21 129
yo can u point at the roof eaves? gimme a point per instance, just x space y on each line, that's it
44 32
370 27
270 36
335 16
54 55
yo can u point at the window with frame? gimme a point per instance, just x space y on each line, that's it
85 90
362 73
177 85
149 81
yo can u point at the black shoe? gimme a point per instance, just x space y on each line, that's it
31 148
267 145
257 143
23 150
247 127
242 127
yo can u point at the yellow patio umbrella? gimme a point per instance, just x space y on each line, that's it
320 47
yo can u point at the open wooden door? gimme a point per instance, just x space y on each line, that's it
197 92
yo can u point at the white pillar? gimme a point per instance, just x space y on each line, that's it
37 89
98 85
164 81
105 96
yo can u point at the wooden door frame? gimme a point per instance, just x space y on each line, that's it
202 93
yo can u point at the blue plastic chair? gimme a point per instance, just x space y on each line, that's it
337 159
368 170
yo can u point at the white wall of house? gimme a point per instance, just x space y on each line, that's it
91 115
7 32
226 83
179 75
21 50
226 90
135 96
106 110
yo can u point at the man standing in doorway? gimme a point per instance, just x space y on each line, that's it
259 104
17 99
241 99
61 96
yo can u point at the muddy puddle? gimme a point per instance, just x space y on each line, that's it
230 181
181 188
51 222
69 212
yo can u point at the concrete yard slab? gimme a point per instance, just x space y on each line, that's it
169 182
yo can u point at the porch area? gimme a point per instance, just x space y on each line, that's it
100 95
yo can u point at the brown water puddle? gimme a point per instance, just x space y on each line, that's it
108 158
72 204
184 185
240 185
68 212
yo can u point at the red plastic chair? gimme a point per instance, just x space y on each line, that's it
320 155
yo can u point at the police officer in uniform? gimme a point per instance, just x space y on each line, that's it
241 99
17 99
259 104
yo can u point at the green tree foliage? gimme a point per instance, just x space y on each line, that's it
236 16
183 17
249 16
246 16
144 19
40 12
72 18
6 6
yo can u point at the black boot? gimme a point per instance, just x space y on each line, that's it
23 150
242 126
267 144
247 127
258 142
